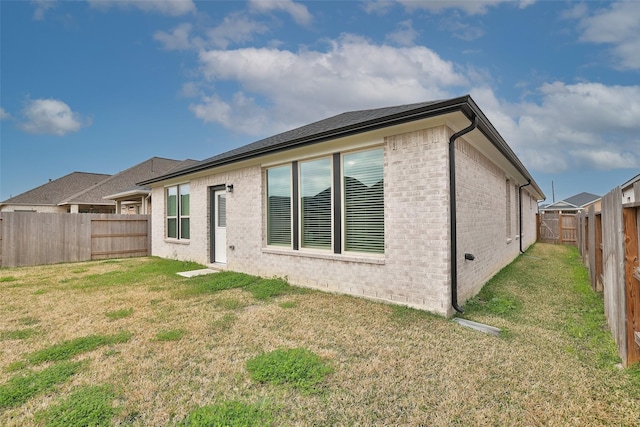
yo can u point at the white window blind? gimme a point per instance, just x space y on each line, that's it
279 206
315 203
364 201
222 210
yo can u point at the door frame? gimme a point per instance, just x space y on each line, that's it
212 220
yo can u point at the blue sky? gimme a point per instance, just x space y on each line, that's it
98 86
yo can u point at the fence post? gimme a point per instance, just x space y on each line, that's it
560 216
632 282
598 253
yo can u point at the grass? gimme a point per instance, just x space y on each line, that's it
391 365
231 414
18 334
68 349
170 335
259 288
88 406
119 314
22 387
297 367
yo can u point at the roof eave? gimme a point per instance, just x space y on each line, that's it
444 107
464 104
128 194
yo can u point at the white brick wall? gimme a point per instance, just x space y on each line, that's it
415 268
481 217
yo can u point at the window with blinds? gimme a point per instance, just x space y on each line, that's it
222 210
315 203
279 206
332 203
363 201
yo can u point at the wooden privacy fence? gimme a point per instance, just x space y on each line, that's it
608 242
28 238
557 228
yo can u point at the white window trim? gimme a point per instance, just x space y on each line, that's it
178 217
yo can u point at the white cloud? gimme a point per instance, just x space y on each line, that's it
4 115
164 7
42 6
235 28
618 26
283 89
179 38
475 7
379 7
50 116
405 35
298 12
580 126
460 29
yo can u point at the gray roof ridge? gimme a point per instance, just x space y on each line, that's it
355 122
49 183
112 177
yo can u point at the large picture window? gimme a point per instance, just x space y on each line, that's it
315 203
364 201
330 203
178 221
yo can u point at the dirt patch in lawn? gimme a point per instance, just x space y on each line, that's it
389 365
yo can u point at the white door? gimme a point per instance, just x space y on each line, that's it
220 227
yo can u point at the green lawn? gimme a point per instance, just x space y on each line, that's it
130 343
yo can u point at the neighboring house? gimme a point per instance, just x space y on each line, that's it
121 190
628 194
48 197
359 204
81 192
573 204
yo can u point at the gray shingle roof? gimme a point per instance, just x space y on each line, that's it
154 167
314 132
57 190
582 199
341 121
354 122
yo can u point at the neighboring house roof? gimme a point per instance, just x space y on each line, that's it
95 195
355 122
575 202
57 190
137 190
582 199
631 182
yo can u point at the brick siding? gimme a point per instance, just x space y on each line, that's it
415 268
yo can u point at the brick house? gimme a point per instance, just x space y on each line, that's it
360 204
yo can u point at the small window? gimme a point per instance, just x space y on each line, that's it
279 206
178 211
222 210
508 208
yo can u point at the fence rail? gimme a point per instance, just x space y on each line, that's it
28 238
609 244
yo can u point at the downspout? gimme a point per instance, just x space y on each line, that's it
520 210
452 212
